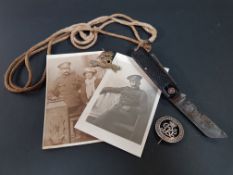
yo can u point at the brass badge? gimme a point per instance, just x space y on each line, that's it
105 61
169 129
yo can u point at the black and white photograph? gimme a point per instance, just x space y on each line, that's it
122 108
71 83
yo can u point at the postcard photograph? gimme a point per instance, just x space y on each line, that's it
71 83
122 108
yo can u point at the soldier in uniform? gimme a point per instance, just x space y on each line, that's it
68 88
131 107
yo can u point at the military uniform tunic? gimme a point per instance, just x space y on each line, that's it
132 104
68 88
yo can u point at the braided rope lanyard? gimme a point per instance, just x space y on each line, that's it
88 33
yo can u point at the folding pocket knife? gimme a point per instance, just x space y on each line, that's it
154 69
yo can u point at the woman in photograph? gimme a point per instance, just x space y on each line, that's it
90 84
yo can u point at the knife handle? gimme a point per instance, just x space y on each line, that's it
155 70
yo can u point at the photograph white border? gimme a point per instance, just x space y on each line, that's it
113 139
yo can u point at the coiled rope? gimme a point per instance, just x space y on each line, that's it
88 33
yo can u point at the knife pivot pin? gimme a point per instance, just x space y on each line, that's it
171 91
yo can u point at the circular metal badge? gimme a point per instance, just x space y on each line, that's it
169 129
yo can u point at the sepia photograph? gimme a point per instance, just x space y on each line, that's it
122 108
71 82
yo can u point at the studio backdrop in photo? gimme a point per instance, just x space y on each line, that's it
82 36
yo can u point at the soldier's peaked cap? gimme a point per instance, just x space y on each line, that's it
64 65
134 77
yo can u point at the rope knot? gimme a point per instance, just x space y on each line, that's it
145 45
87 36
95 29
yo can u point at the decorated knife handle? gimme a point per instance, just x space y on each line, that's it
155 70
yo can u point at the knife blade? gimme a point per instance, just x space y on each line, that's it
155 70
